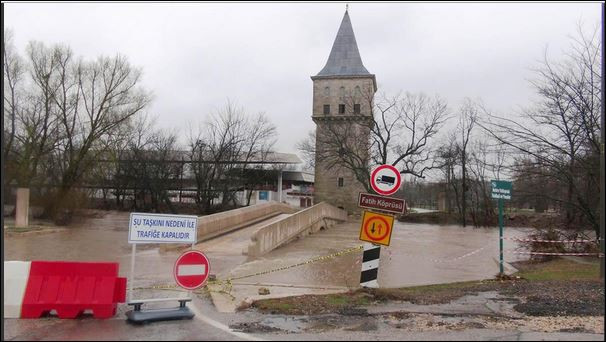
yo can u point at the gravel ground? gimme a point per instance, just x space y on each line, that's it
558 298
430 322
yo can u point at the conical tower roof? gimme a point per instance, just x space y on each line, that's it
344 59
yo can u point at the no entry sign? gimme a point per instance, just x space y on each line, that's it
191 270
385 180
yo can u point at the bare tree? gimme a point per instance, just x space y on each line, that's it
94 99
13 76
307 147
467 120
560 133
222 152
151 169
37 132
479 168
448 157
399 132
64 113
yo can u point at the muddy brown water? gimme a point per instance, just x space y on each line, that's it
418 254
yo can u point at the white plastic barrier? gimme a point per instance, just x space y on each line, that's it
16 274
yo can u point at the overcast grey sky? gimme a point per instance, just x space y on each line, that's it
196 56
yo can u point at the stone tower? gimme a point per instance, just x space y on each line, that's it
343 92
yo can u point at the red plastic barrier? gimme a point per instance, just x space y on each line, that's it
72 287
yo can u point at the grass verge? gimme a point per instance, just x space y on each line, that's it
556 287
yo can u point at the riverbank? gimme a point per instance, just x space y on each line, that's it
517 218
555 288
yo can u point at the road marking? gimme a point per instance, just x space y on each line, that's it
222 326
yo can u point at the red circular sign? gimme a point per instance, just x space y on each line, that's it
385 179
191 270
370 232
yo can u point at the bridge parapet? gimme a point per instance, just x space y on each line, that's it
312 219
210 226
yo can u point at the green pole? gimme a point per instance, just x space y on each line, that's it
501 236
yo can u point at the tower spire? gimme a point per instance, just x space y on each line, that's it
344 58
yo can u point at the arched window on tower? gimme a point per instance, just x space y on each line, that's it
326 91
342 91
358 92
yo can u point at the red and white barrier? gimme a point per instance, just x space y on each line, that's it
34 288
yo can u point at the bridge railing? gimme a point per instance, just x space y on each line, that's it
220 223
276 234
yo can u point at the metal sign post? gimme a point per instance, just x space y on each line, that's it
158 228
376 227
500 235
501 190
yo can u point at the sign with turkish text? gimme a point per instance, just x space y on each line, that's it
389 204
160 228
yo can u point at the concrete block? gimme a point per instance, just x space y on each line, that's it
22 214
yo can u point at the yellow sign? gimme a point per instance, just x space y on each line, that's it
376 228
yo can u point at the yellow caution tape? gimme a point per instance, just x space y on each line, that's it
310 261
228 282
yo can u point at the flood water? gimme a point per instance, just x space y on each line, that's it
419 254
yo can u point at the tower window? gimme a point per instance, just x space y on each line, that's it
326 109
341 109
358 91
327 91
357 108
342 91
340 182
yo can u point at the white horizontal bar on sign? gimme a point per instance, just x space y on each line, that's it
369 265
368 246
191 270
372 283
